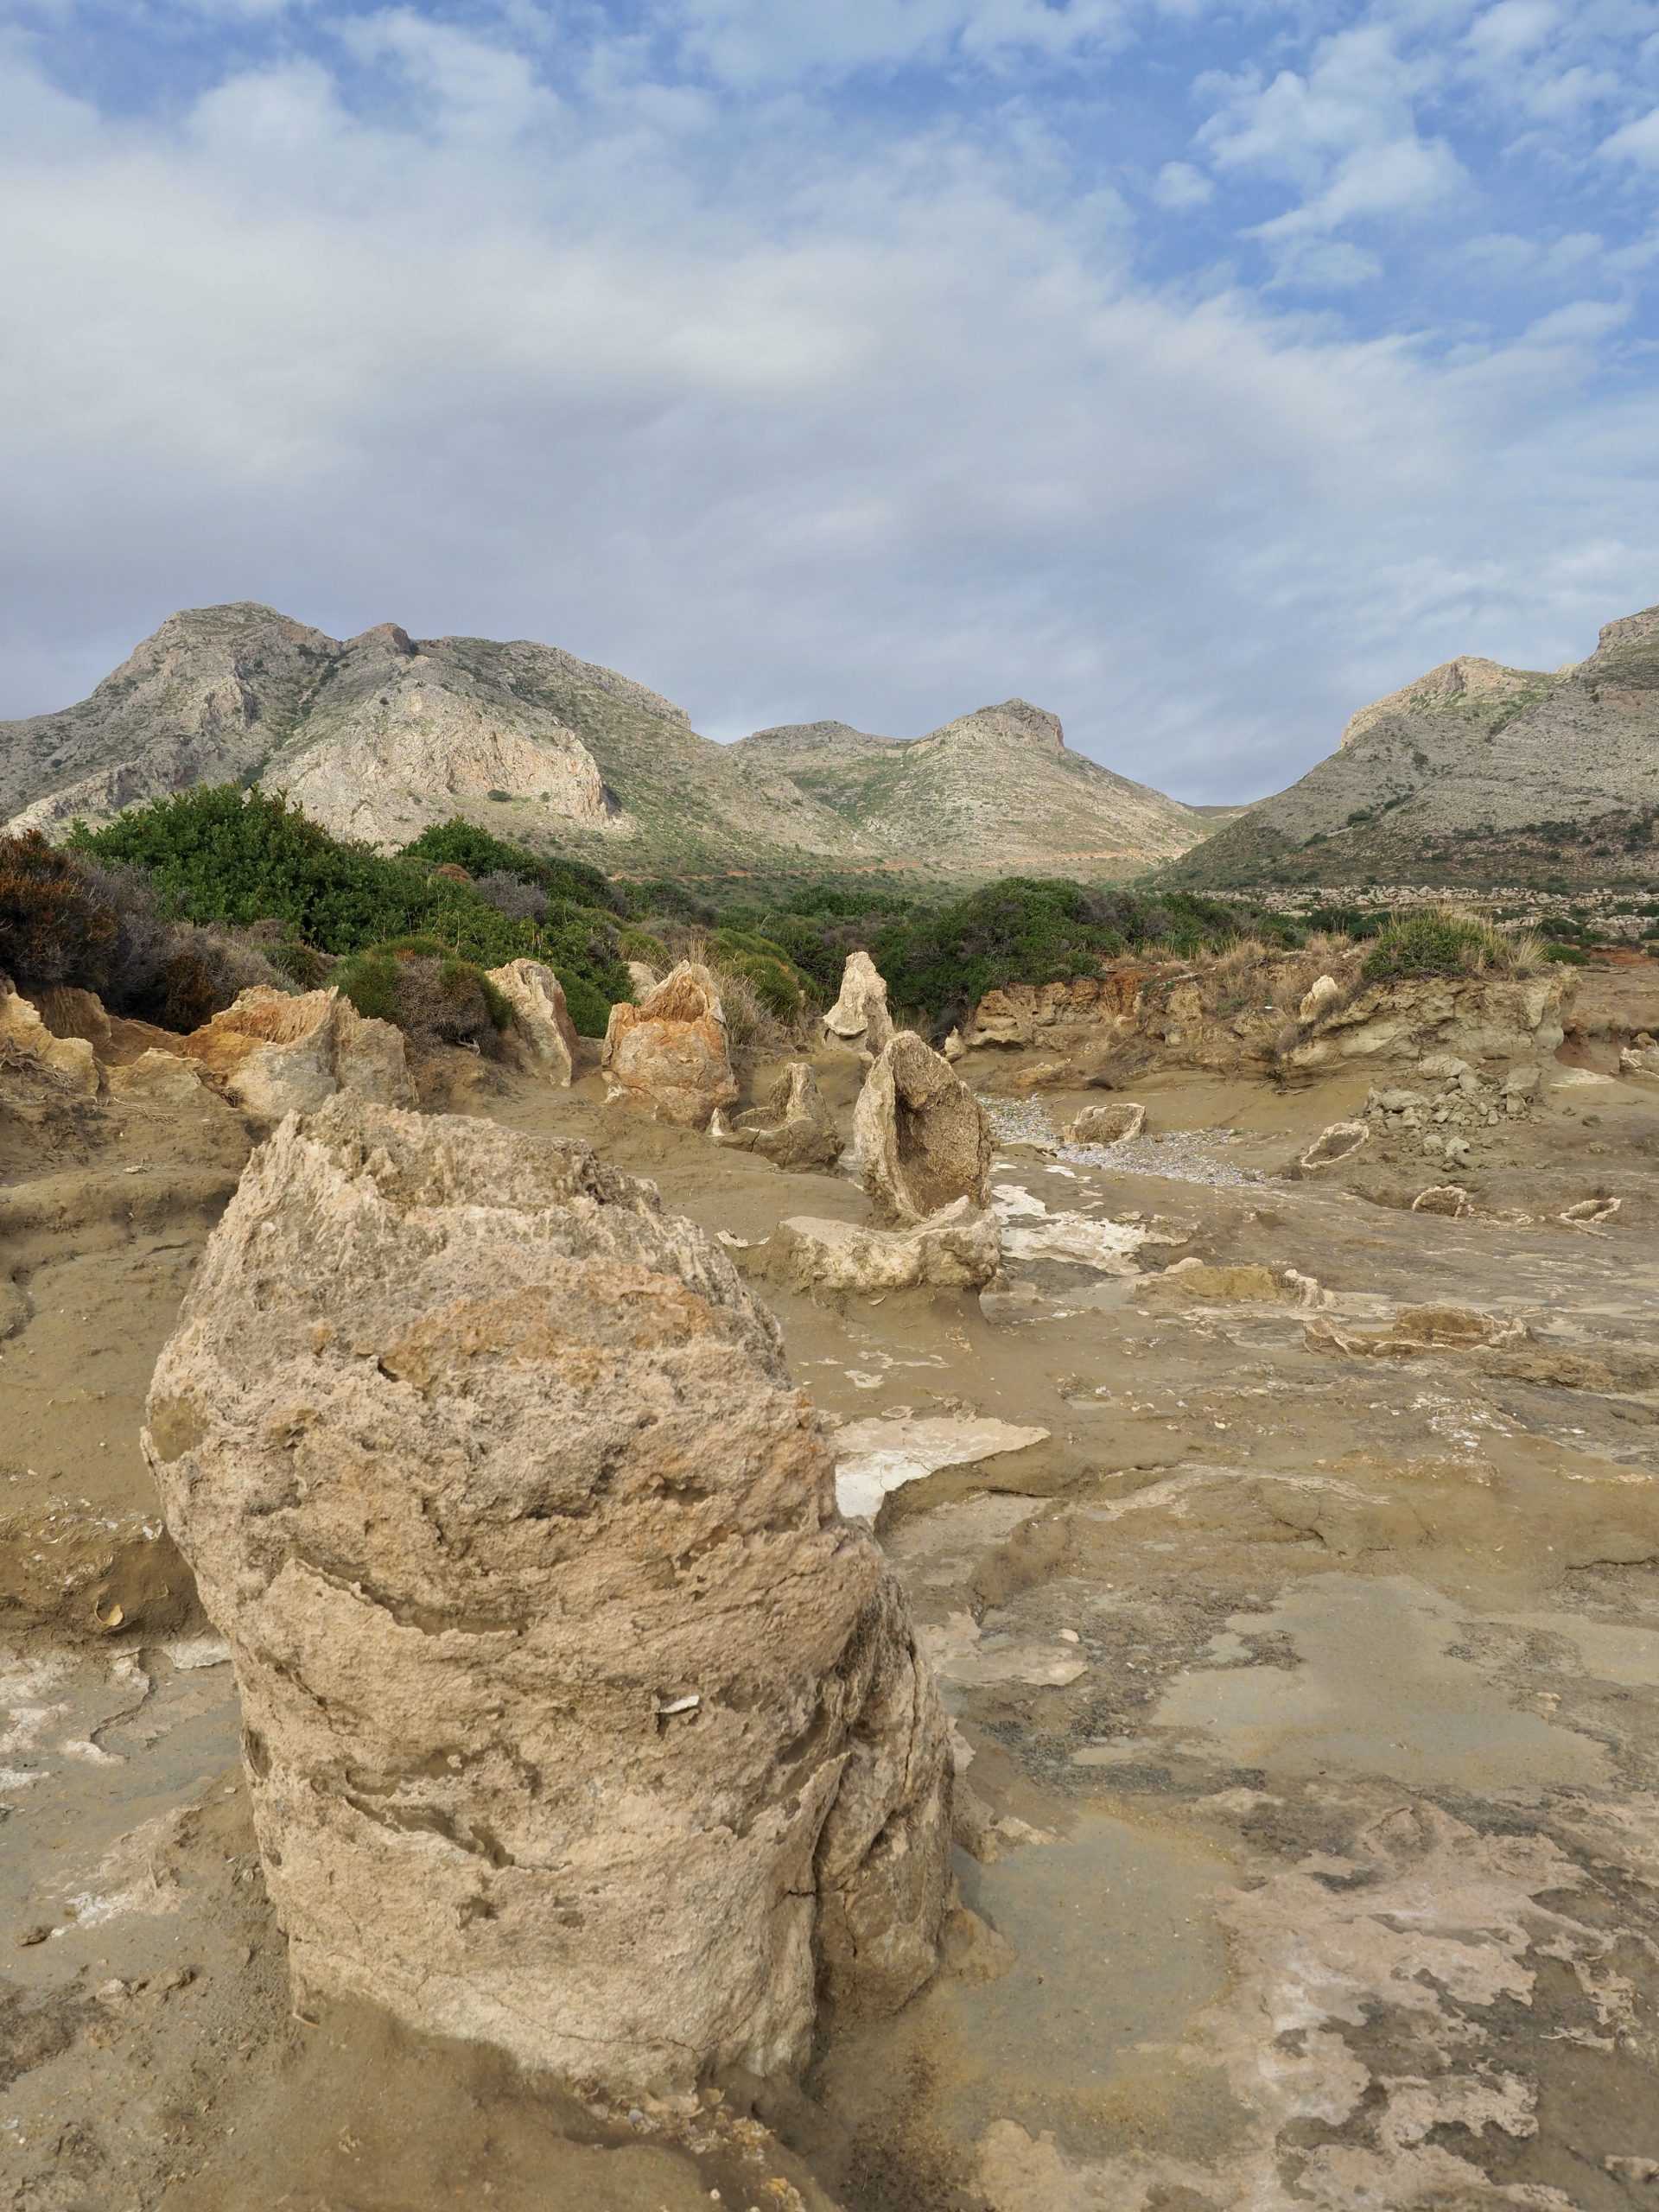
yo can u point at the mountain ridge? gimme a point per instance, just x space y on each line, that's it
1476 772
378 735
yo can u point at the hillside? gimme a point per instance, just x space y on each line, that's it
1474 774
378 736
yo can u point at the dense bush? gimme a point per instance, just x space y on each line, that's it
429 993
64 919
764 966
1439 941
219 855
463 844
57 924
1039 929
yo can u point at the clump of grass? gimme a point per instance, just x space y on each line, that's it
430 993
1445 941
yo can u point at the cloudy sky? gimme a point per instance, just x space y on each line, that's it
1198 370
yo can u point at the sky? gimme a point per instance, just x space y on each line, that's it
1198 372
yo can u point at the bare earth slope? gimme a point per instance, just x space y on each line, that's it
1476 772
380 735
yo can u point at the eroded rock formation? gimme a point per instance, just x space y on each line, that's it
956 1249
1107 1124
541 1020
919 1134
577 1720
276 1055
35 1059
860 1017
669 1051
794 1128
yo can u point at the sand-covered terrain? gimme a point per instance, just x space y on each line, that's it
1290 1562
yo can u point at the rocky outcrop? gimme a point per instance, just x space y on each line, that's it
1197 1282
956 1249
542 1027
1475 1017
160 1078
669 1053
576 1718
794 1128
860 1017
920 1135
273 1055
34 1061
1274 1012
1107 1124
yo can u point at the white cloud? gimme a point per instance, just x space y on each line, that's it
1637 141
786 412
1180 185
752 42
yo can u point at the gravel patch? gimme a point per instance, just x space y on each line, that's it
1184 1156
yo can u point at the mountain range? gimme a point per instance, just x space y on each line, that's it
379 736
1475 774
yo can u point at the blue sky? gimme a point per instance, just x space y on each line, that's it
1198 372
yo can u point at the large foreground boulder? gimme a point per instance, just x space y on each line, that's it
920 1135
859 1017
577 1720
542 1027
794 1128
669 1053
274 1054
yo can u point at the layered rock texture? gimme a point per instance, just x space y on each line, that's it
956 1249
272 1055
794 1127
379 736
1475 773
669 1053
920 1135
1272 1015
577 1720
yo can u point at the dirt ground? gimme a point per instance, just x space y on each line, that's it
1303 1665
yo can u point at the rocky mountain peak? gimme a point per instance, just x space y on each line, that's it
1016 721
388 637
1468 678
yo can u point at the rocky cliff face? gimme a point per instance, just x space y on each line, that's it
1475 773
378 736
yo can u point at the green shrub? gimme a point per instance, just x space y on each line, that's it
429 993
219 856
1439 941
644 946
1040 929
1568 955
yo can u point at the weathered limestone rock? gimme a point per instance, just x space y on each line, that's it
577 1720
1338 1142
1481 1017
860 1017
794 1128
643 977
669 1052
1107 1124
541 1020
956 1249
163 1079
1639 1059
63 1065
276 1055
920 1135
1320 996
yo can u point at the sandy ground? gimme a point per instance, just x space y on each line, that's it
1307 1695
